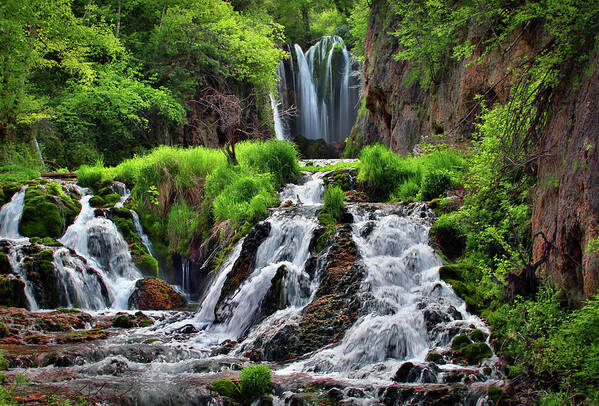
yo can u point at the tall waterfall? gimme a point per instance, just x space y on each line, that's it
321 83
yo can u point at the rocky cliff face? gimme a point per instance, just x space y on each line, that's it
405 113
566 202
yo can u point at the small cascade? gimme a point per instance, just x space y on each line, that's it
17 262
10 215
122 190
185 275
322 83
79 285
140 231
98 240
401 284
309 193
276 112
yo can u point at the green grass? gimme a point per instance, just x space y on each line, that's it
18 173
333 201
180 194
339 165
386 175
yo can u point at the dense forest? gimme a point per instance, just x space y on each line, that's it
140 170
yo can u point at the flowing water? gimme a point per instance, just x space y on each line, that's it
98 240
399 292
322 85
10 215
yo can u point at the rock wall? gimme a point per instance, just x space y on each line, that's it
405 113
566 202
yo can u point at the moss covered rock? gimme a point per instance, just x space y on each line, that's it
155 294
5 267
7 190
123 219
474 353
48 211
12 291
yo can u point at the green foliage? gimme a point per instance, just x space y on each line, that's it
255 381
338 165
279 158
358 21
385 174
18 173
182 226
435 183
3 362
94 177
333 201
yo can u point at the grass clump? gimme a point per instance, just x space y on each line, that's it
255 381
18 173
386 175
333 202
279 158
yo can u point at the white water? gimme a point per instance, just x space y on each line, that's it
122 190
276 113
17 263
98 240
310 193
78 284
326 94
401 282
10 215
140 231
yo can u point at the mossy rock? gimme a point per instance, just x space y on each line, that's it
47 211
494 392
460 342
7 190
448 236
45 269
474 353
477 335
4 331
47 241
104 202
147 264
435 357
5 267
123 321
12 292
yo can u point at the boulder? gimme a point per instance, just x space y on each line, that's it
155 294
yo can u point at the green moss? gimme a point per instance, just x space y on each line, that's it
47 211
7 190
105 201
45 268
460 342
477 335
494 392
123 321
12 292
476 352
123 219
4 331
5 267
3 363
433 357
147 264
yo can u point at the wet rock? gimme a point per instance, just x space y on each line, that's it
224 348
242 267
12 291
411 373
155 294
335 394
437 395
187 329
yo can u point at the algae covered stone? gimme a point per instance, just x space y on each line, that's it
47 211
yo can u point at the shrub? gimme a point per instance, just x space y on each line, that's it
255 382
448 234
406 191
3 362
379 170
435 183
182 226
333 201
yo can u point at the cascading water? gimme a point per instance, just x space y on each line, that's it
324 89
98 240
140 231
401 284
17 263
10 215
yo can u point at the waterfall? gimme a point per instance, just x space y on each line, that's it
10 215
401 283
79 285
140 231
279 131
122 190
185 275
323 88
98 240
310 193
17 263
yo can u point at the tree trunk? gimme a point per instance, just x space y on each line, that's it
118 21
